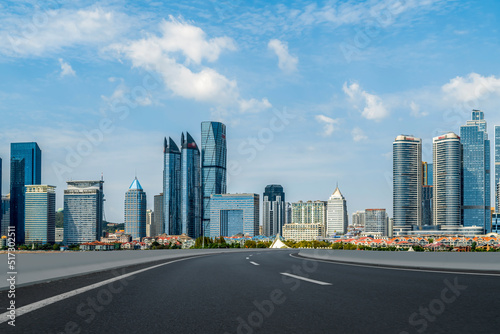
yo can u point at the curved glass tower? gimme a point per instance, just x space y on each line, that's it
191 188
213 166
171 187
135 211
407 182
447 152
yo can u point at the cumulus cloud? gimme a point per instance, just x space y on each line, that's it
373 106
286 61
328 124
471 88
173 55
66 68
358 135
59 28
415 110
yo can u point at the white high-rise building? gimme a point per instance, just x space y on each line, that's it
337 220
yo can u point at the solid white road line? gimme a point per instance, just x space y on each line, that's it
389 268
306 279
255 264
46 302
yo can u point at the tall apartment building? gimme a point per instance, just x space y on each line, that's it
337 219
358 219
83 211
376 222
309 212
40 214
273 210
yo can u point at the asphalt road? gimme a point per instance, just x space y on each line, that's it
249 293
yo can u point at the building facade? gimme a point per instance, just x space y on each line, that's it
303 232
25 169
233 214
213 167
158 225
191 205
273 210
497 168
376 222
309 212
476 176
337 219
407 182
358 219
40 214
171 187
447 198
83 211
5 215
135 211
149 222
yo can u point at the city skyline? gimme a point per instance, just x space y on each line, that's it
346 103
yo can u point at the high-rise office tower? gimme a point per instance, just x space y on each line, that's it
427 193
377 222
171 188
234 214
40 214
158 225
191 188
25 169
83 211
273 206
1 202
447 153
5 212
213 166
476 176
336 220
407 182
497 168
135 211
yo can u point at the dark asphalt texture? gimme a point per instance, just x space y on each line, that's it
227 294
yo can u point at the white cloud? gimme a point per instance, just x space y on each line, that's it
161 53
415 110
374 108
328 124
358 135
471 88
66 68
286 61
57 29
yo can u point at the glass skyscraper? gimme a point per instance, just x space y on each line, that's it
83 211
158 225
447 153
407 182
233 214
40 214
171 188
25 169
497 168
191 188
273 207
135 211
476 192
213 166
336 217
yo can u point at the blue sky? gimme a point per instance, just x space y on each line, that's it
313 93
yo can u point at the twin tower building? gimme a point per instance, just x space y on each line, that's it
190 177
453 194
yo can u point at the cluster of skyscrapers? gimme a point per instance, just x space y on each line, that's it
453 194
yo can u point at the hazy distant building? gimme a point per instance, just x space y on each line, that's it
191 205
213 166
407 182
447 152
288 213
135 211
358 219
476 175
376 222
25 169
273 210
303 232
83 211
171 187
233 214
337 219
5 215
309 212
158 224
40 214
149 222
